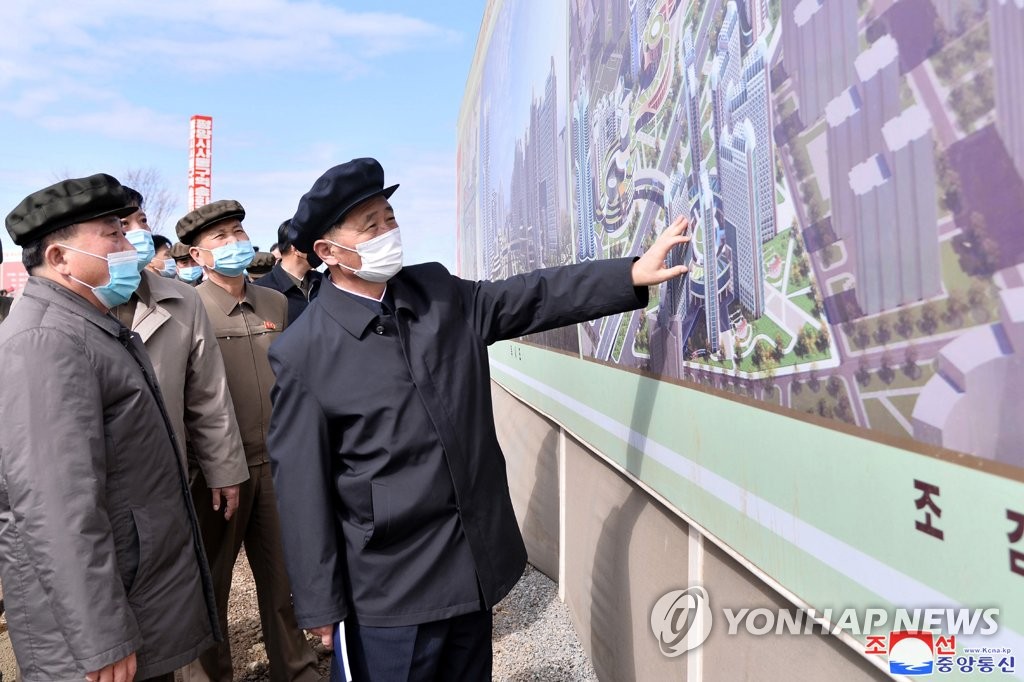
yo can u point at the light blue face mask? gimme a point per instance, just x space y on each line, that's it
190 273
232 259
142 240
169 269
124 277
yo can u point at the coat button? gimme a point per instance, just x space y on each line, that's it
379 329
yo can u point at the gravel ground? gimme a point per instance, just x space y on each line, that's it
533 637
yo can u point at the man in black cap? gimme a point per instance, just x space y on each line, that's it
102 565
293 275
188 271
245 319
392 488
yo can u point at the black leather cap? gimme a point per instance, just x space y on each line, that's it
205 216
334 194
65 203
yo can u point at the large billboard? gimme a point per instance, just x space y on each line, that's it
852 172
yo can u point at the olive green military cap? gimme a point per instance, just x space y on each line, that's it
205 216
179 250
262 263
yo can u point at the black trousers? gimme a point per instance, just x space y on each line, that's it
456 648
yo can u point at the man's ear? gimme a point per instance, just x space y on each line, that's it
194 252
55 258
321 249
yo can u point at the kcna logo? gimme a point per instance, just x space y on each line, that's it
681 620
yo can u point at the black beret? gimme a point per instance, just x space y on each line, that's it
205 216
334 194
65 203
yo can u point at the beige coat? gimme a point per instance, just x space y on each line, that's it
174 327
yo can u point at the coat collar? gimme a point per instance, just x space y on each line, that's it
150 314
55 294
353 315
284 282
278 276
225 301
345 310
159 289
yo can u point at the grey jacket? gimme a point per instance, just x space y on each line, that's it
100 554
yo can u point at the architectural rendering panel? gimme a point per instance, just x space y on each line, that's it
852 172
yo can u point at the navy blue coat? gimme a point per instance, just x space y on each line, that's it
279 280
391 486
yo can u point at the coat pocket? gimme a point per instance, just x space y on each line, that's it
126 546
163 537
380 504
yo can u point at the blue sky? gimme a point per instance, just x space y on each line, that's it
294 87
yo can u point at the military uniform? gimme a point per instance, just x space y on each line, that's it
244 330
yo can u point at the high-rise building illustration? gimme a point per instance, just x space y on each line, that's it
736 168
544 138
855 118
487 218
819 44
677 203
586 240
610 118
1006 28
896 236
759 18
677 193
704 210
752 101
725 69
691 100
640 13
754 20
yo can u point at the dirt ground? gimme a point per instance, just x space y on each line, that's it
248 656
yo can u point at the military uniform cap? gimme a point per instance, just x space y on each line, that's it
179 250
262 263
189 227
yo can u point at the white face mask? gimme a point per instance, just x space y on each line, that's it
381 256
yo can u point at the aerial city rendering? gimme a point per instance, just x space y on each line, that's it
852 173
